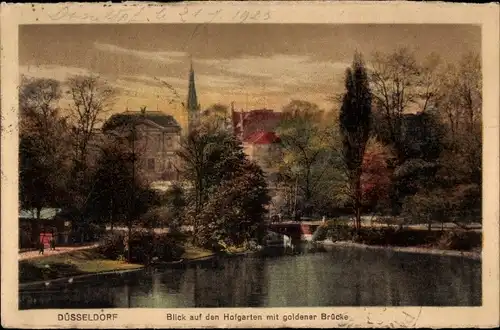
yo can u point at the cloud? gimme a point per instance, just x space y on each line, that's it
282 69
163 56
56 72
205 81
217 81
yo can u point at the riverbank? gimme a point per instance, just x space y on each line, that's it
476 255
81 263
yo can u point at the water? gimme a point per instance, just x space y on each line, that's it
331 277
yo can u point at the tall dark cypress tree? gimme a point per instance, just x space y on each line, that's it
355 118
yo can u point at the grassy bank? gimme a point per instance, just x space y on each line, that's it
193 252
69 264
87 262
456 240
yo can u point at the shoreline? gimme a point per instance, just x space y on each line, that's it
343 244
27 285
409 249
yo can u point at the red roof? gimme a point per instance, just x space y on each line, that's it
262 137
255 121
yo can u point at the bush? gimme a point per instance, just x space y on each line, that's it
112 245
452 240
457 240
145 246
339 231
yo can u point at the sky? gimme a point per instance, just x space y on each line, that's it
252 65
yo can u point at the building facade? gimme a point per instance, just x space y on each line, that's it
156 141
264 148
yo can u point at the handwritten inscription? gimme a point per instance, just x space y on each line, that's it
137 13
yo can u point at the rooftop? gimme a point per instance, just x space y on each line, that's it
255 121
137 117
45 213
262 137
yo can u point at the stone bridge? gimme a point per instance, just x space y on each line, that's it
295 230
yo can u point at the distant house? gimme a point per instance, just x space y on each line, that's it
157 138
262 147
246 123
50 221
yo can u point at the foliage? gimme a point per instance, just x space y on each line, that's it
112 245
172 207
339 231
228 193
146 247
118 191
426 206
376 175
308 155
43 150
458 240
91 97
459 98
355 120
217 117
234 211
203 155
392 236
401 84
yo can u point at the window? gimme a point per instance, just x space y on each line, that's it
169 142
151 164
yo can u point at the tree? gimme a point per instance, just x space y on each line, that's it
460 162
43 157
113 180
234 212
212 161
459 98
355 119
118 191
194 153
216 116
91 98
376 175
307 154
399 83
173 206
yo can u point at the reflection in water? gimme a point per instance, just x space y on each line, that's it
332 277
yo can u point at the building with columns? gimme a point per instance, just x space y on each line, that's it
157 138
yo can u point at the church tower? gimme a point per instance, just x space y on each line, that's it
192 105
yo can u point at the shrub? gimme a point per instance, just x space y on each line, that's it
455 240
112 245
339 231
145 246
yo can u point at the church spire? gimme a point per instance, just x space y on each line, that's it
192 104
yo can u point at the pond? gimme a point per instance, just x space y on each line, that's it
329 276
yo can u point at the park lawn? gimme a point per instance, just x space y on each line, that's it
192 252
74 263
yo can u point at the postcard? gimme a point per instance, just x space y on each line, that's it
250 164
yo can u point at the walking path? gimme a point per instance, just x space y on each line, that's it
47 252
